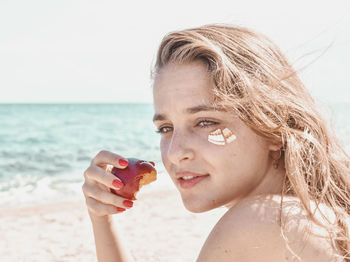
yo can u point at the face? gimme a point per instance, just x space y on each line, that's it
223 174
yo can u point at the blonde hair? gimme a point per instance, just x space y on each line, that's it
254 79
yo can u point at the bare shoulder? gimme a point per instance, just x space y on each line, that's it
251 231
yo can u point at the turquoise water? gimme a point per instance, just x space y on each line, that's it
45 148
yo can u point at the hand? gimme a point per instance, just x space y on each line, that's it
101 203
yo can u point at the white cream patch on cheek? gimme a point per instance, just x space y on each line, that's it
229 137
221 136
216 137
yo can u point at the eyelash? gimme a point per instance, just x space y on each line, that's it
160 130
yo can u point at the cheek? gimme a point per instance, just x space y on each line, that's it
249 153
163 148
221 136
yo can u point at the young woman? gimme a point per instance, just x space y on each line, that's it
238 129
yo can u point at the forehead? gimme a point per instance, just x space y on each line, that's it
182 85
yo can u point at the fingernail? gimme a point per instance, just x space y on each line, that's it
123 162
128 203
117 184
120 209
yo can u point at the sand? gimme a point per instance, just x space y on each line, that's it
157 228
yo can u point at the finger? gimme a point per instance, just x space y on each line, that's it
105 157
101 209
106 197
89 184
103 177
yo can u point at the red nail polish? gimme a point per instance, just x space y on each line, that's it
128 203
120 209
117 184
123 162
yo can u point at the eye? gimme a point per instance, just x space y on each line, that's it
164 129
206 123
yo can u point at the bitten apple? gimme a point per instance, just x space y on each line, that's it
137 174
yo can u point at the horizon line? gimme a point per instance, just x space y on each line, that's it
66 103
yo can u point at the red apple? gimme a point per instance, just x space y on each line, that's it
137 174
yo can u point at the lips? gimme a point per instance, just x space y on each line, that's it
187 174
189 180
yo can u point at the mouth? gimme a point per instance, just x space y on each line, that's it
189 179
186 175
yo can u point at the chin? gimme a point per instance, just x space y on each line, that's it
197 206
196 209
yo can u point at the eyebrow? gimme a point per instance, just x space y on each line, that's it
191 110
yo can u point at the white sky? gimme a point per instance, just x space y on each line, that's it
102 51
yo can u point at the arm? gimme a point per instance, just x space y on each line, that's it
108 245
102 204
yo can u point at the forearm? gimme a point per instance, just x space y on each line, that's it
108 245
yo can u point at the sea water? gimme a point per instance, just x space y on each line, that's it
45 148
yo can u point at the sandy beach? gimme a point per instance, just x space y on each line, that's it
157 228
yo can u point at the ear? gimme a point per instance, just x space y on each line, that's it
275 146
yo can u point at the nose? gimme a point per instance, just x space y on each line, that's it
179 148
